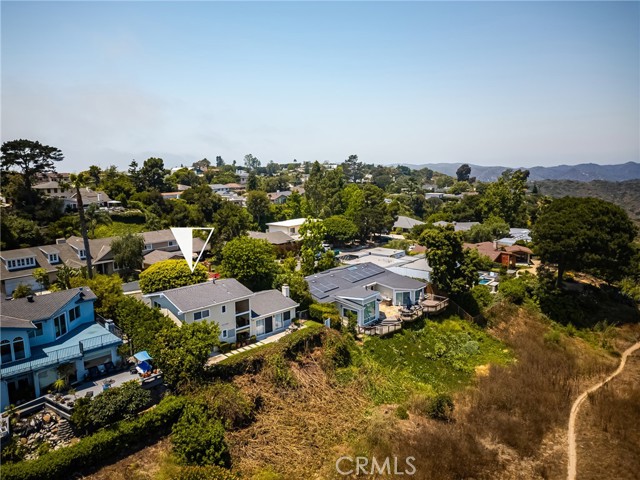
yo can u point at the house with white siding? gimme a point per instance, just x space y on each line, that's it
239 312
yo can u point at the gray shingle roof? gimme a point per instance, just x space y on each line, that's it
406 222
269 302
202 295
274 238
327 285
42 307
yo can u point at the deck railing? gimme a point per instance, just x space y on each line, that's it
381 329
61 355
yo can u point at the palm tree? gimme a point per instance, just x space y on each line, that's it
64 275
96 217
80 181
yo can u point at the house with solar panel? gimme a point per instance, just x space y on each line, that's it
40 333
361 288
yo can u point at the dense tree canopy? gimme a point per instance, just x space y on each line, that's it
250 261
170 274
585 234
127 252
453 268
29 158
463 172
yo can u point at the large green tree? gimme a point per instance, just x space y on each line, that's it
250 261
127 252
505 198
29 158
453 268
259 206
108 289
171 274
312 234
585 234
340 230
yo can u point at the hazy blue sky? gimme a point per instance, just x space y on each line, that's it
504 83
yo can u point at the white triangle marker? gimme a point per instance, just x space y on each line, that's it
184 237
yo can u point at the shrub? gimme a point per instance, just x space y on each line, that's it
110 406
199 440
226 401
22 290
322 311
441 407
513 290
92 451
170 274
401 412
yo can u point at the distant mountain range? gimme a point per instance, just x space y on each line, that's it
584 172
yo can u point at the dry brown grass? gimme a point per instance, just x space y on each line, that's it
608 429
511 424
297 429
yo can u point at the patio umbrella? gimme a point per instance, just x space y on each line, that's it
142 356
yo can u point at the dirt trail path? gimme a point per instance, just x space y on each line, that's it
571 475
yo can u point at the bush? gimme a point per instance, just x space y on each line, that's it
441 407
513 290
401 412
321 311
126 436
171 274
227 402
199 440
110 406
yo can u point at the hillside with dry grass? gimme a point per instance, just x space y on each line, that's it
517 380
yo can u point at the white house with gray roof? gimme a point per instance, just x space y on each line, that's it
239 312
360 288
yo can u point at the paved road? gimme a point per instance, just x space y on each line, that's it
571 473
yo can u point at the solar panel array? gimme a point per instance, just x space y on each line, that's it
321 286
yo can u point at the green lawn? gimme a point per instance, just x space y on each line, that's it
439 358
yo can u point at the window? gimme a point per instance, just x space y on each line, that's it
148 246
60 324
278 323
38 332
200 315
74 313
260 326
53 258
292 231
82 254
224 309
171 243
224 334
18 348
11 264
5 347
287 315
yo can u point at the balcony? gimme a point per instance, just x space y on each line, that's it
71 346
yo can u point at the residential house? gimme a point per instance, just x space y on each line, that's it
396 261
290 227
406 223
40 333
171 195
360 288
282 242
508 256
17 266
243 176
279 197
239 312
457 226
516 234
69 197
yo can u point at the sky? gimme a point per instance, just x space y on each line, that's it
488 83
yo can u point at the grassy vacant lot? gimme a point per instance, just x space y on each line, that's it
118 229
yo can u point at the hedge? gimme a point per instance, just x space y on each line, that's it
101 446
252 361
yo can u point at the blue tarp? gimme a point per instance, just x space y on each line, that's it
145 367
142 356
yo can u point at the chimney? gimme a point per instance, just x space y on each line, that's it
285 290
30 298
60 241
495 244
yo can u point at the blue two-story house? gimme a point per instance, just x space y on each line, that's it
41 333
